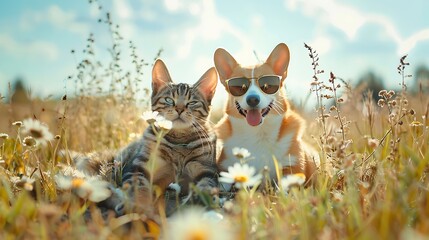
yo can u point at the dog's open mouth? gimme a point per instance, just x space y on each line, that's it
254 116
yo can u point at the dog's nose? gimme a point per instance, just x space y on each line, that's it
252 100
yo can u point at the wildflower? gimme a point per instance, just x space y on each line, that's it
93 189
330 139
29 141
381 102
241 175
382 93
213 216
133 136
150 116
416 124
164 124
417 128
17 123
373 142
4 136
37 130
240 153
337 196
195 224
292 180
26 183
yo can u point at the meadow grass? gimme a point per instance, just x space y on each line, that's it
372 183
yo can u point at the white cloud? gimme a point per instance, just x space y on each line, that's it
172 5
411 41
323 44
37 49
257 21
210 27
54 15
350 20
94 11
122 9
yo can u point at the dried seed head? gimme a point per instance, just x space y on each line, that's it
382 93
330 139
412 112
333 108
17 123
381 102
4 136
29 141
373 143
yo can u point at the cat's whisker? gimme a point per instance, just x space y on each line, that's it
204 120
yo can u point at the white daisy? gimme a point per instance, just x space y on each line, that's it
38 130
240 153
150 116
191 224
291 180
93 189
164 124
241 175
26 183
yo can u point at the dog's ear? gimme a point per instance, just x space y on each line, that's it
160 76
224 63
207 84
279 59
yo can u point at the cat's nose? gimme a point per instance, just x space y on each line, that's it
180 110
252 100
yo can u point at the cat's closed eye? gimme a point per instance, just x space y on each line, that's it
192 103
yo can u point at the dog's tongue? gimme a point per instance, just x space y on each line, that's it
253 117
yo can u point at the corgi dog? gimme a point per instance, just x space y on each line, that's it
258 117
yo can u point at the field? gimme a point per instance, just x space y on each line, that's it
373 182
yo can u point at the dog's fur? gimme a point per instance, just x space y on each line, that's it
279 134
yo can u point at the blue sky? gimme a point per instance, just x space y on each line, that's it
352 37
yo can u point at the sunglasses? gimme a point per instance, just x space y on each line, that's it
238 86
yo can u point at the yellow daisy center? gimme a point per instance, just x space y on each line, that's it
197 235
240 179
77 182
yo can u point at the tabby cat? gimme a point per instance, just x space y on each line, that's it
187 152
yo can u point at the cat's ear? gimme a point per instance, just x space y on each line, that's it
160 76
207 84
279 59
224 64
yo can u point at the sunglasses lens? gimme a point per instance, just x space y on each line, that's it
238 86
269 84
